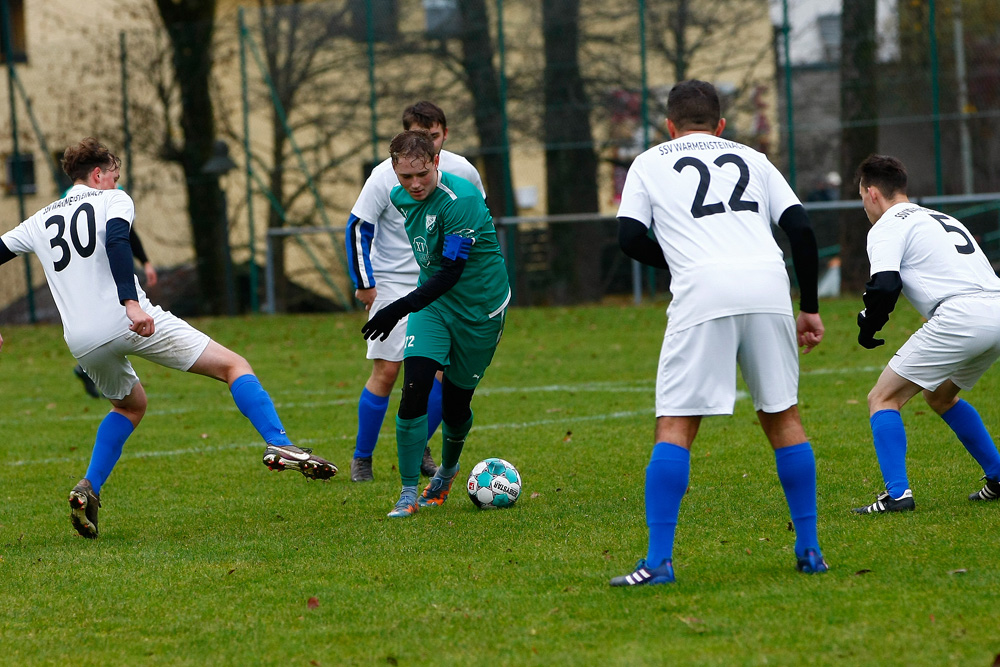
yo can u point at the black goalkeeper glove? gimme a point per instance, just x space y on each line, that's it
384 321
866 337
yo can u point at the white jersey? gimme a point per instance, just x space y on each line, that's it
935 255
392 263
69 237
710 203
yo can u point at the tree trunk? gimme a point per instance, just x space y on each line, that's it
859 133
570 161
190 24
483 82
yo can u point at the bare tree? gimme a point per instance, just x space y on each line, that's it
859 128
570 160
190 25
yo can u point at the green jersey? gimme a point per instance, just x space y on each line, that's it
456 207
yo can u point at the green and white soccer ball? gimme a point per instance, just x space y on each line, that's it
494 483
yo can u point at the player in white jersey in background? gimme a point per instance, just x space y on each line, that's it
933 260
383 270
710 204
82 242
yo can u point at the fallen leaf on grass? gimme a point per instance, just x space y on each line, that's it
313 602
961 570
852 401
695 624
862 572
231 571
391 660
568 437
534 494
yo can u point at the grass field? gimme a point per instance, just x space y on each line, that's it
206 557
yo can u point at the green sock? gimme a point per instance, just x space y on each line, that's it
454 440
411 439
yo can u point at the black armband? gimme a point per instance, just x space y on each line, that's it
805 257
120 259
633 237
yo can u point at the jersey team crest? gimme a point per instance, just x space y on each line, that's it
431 222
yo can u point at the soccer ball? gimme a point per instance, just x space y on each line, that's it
494 483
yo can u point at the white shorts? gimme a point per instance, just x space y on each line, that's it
176 344
959 343
697 371
390 349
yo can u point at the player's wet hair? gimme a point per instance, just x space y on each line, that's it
78 161
413 144
694 104
883 172
423 114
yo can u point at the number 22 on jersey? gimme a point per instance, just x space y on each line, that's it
699 209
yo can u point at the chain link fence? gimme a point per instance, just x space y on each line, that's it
551 100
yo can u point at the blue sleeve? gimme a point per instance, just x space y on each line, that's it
120 258
359 247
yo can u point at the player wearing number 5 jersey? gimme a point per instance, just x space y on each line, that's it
933 260
710 203
82 242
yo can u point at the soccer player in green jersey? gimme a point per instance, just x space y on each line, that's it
456 314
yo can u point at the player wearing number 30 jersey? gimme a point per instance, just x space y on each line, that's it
82 242
933 260
710 203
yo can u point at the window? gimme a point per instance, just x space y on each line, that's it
26 163
63 183
17 33
443 19
385 17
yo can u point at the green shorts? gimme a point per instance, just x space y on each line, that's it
463 348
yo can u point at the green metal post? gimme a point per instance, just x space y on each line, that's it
935 97
16 156
789 105
247 158
508 187
125 125
372 101
644 119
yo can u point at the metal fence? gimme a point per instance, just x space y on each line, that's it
307 96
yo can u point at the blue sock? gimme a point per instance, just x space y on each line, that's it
968 426
434 408
257 406
666 483
797 473
111 436
371 414
890 448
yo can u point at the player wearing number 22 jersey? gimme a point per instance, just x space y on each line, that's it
710 204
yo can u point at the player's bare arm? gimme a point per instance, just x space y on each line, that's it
141 321
809 327
366 296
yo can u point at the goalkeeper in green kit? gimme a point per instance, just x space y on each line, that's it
456 312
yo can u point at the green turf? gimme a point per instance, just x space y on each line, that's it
206 557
